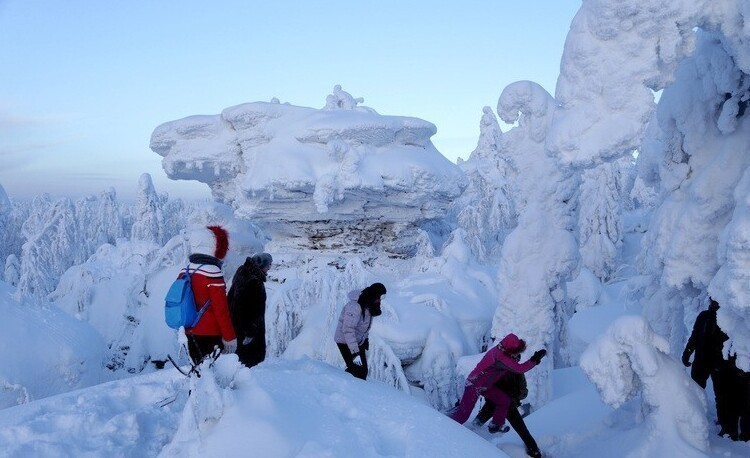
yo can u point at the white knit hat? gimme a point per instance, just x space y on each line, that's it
210 240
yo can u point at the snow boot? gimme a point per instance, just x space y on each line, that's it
534 453
493 428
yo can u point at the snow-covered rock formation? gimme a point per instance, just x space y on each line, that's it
343 171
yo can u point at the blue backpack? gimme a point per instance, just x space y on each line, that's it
179 305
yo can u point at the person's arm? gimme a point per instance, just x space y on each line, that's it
514 366
239 307
349 326
690 346
256 309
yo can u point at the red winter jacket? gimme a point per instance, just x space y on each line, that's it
208 283
493 365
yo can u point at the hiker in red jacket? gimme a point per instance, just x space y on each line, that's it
495 364
209 246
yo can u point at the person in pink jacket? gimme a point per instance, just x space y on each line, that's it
494 365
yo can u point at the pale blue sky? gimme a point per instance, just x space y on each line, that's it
83 83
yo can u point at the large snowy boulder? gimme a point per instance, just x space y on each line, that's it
315 172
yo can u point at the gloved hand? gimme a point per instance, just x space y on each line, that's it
357 360
538 355
247 340
686 359
229 347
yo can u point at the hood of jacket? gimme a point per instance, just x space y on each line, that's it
512 344
354 294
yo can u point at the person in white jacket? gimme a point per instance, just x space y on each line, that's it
353 328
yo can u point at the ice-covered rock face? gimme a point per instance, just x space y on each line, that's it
315 172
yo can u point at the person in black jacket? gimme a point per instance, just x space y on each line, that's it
247 305
707 341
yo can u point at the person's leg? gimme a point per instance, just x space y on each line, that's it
362 371
519 426
466 405
485 413
744 403
354 369
346 355
699 372
253 353
201 346
726 398
502 402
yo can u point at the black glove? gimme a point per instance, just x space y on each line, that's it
538 355
686 359
366 344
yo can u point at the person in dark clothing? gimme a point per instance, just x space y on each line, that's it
735 385
742 390
514 385
353 329
247 305
707 341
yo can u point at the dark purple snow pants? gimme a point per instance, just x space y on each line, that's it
469 398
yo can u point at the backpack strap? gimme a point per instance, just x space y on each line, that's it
208 302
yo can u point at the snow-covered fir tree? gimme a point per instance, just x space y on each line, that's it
51 250
148 214
486 209
600 213
702 156
12 271
541 253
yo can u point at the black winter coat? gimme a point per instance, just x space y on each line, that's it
706 340
247 303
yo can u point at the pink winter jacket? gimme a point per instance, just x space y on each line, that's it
493 365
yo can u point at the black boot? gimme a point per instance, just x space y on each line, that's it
493 428
534 453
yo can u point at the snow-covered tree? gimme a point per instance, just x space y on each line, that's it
148 215
108 220
12 272
486 210
629 361
702 154
50 251
99 222
37 216
5 229
541 253
176 216
600 211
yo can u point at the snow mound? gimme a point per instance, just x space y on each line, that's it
277 409
30 370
